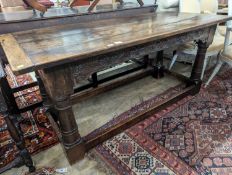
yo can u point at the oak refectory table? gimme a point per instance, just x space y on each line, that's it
58 53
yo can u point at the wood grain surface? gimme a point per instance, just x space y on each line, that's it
43 48
17 58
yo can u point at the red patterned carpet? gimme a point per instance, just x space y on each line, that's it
192 137
37 130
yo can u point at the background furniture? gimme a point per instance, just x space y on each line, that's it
223 11
19 5
46 3
11 5
9 106
13 127
203 6
226 54
189 6
79 3
223 3
168 5
9 92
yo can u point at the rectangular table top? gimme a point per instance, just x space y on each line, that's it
42 48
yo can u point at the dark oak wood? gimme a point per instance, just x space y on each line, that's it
47 102
18 58
9 91
199 61
59 85
83 95
159 67
59 53
19 21
43 48
16 23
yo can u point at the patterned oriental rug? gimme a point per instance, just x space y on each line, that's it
192 137
35 125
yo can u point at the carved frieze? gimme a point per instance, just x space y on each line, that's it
102 62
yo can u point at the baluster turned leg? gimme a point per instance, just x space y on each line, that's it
199 62
95 80
146 61
158 67
198 66
59 85
47 104
195 78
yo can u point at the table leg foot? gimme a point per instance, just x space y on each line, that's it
158 72
75 153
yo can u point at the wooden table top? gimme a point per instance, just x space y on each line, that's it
42 48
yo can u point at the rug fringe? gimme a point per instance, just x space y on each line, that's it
101 164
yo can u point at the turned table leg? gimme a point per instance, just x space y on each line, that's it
47 104
95 80
199 62
203 45
195 77
58 83
159 67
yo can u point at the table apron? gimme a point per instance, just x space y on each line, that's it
98 63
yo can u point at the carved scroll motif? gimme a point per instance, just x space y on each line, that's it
83 71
